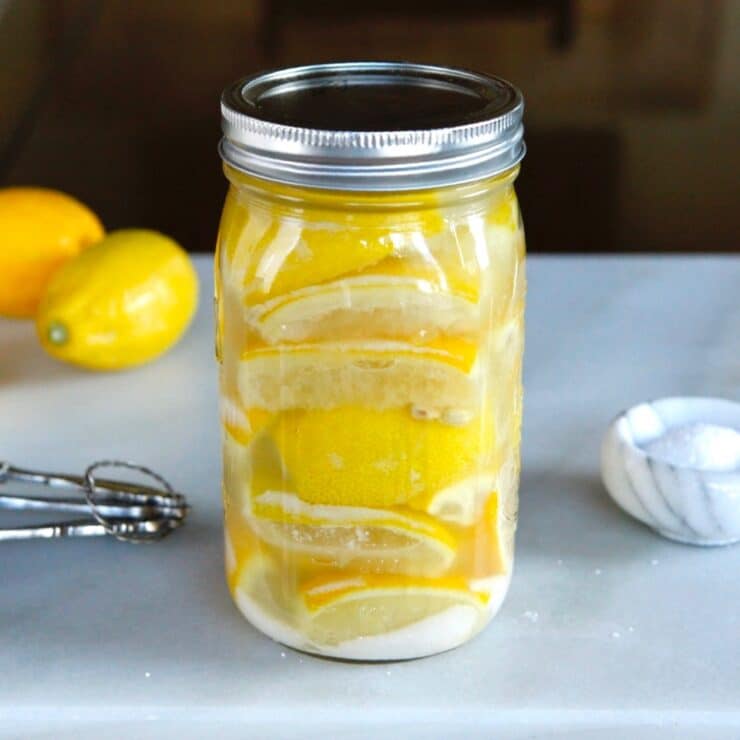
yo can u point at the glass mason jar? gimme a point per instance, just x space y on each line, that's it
369 298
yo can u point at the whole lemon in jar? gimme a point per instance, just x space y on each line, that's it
120 303
40 230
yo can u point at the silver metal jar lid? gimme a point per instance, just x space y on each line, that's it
372 126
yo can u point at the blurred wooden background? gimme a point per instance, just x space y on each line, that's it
633 107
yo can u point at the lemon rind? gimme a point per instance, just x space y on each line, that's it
379 374
277 531
414 304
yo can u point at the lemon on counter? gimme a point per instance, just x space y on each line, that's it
40 230
120 303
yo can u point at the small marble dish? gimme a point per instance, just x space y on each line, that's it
683 503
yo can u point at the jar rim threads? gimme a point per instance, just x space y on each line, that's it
372 126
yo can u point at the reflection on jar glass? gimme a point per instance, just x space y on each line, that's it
370 298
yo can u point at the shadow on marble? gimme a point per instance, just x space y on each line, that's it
576 520
23 362
108 601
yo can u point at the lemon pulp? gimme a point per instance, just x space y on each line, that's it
390 459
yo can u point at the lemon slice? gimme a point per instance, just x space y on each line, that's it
355 456
241 424
274 247
237 465
322 254
505 239
267 255
442 373
505 211
506 370
489 540
241 428
461 503
266 595
395 298
236 476
486 549
240 544
339 610
343 536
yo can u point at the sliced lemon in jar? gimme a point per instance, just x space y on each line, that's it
236 462
241 429
265 593
240 423
461 503
505 240
268 256
505 211
236 476
398 297
338 609
442 373
317 255
239 545
365 539
505 367
486 548
357 456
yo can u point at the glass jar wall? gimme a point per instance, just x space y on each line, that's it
370 347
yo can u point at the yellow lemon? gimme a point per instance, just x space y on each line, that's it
40 230
357 456
120 303
338 609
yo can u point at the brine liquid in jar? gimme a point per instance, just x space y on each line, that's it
370 299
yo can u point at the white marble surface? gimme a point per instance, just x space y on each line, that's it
609 631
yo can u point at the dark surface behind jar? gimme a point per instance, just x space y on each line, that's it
632 108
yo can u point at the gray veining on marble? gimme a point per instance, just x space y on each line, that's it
699 507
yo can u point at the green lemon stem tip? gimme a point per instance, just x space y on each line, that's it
57 333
